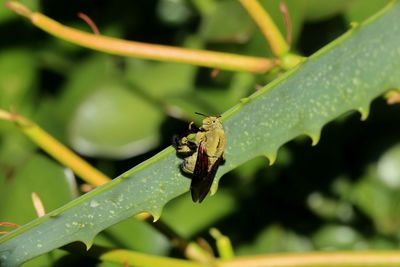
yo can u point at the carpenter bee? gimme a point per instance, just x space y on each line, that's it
204 153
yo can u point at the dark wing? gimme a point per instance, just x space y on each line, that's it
199 183
202 179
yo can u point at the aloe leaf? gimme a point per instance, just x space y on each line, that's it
346 75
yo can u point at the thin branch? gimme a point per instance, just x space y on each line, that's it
192 250
38 204
89 22
9 224
320 259
393 97
57 150
286 19
130 258
120 47
267 26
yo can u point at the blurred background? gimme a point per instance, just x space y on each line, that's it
343 194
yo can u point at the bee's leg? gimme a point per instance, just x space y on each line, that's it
176 142
189 163
191 144
193 128
184 146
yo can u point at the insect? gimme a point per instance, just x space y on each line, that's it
204 153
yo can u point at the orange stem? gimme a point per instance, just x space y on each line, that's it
120 47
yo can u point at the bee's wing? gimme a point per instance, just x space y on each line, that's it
200 186
202 179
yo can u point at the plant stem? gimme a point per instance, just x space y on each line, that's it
130 258
267 26
191 249
320 259
57 150
120 47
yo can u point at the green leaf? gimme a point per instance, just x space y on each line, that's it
361 9
337 236
17 77
239 27
319 10
217 26
189 218
55 187
104 117
214 100
160 79
146 238
6 14
276 238
346 75
377 194
108 123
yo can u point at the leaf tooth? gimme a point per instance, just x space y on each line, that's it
55 213
271 157
354 25
156 213
88 242
364 111
244 100
124 176
315 137
214 187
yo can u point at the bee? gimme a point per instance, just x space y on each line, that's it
203 154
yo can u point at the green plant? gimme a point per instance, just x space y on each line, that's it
343 76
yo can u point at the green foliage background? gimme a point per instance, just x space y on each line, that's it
116 112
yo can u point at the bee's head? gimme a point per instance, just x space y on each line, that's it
211 122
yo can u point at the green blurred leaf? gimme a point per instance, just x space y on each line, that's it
329 208
114 122
159 79
298 9
239 27
6 15
320 10
15 148
54 185
17 77
359 10
135 235
388 168
378 193
275 238
218 27
174 12
189 218
214 100
47 259
18 82
338 237
82 81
